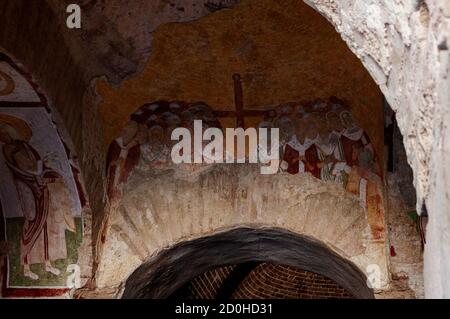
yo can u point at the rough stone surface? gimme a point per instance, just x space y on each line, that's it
406 260
160 210
404 45
116 36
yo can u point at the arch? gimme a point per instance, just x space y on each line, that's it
162 208
405 49
150 219
397 50
404 46
163 274
52 193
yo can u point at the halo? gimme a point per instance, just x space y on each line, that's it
9 88
327 115
21 127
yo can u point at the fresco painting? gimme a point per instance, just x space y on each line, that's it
40 191
320 138
14 86
145 142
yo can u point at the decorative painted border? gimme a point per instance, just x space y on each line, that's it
18 69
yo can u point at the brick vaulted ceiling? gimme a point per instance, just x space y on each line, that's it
261 281
247 263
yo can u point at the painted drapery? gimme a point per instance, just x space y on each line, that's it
40 191
320 138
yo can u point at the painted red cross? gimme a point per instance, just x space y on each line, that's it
240 113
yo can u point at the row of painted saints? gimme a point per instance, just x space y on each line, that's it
40 203
40 193
319 138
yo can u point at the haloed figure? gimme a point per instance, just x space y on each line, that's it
45 217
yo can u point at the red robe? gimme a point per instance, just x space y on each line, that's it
311 161
37 184
292 157
348 145
113 156
352 159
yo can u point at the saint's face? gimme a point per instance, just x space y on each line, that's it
312 127
23 158
322 128
334 122
286 127
347 120
300 129
142 134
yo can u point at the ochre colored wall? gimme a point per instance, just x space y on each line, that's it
284 52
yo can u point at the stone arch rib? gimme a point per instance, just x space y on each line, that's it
163 274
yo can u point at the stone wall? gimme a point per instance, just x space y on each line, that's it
159 210
406 254
404 45
405 235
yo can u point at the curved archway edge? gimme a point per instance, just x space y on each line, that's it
172 268
404 48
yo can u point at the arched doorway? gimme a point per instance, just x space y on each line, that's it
171 269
